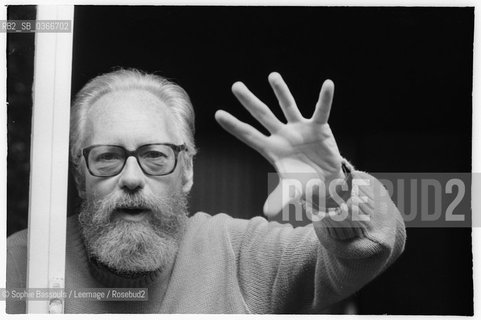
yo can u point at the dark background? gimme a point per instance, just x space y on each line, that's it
402 104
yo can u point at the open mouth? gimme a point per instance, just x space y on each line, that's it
133 211
132 214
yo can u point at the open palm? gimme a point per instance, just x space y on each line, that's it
296 148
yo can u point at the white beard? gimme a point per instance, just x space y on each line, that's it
134 247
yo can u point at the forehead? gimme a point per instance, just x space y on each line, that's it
131 118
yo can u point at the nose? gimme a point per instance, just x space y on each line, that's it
132 177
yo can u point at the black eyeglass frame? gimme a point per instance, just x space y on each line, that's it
128 153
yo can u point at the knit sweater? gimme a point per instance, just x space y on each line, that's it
228 265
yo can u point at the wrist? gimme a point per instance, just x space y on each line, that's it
340 191
335 192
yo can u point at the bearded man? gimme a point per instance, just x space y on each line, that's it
132 146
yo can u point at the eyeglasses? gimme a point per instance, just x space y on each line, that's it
157 159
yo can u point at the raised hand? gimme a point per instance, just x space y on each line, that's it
299 147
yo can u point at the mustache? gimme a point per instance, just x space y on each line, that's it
106 207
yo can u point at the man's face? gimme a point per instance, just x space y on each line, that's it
132 222
131 119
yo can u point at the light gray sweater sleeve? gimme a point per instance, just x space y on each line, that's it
291 270
16 270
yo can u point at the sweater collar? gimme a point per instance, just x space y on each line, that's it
111 279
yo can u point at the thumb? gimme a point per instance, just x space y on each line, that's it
287 191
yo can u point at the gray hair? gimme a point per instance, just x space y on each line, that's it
170 93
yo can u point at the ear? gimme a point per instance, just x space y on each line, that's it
81 192
79 183
188 175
